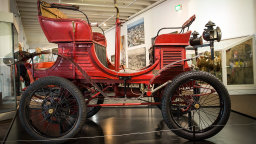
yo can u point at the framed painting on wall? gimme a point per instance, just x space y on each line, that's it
123 50
112 58
137 58
135 33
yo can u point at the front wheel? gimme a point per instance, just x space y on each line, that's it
204 112
52 109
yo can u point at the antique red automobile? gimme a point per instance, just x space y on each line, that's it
194 104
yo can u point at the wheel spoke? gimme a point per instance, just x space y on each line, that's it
204 122
189 120
207 115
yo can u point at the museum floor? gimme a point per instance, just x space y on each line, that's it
141 126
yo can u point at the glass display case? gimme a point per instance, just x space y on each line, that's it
8 38
234 63
239 62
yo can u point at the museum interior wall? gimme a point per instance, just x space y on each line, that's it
8 33
22 37
237 20
244 104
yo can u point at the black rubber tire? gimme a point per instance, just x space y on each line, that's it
53 80
91 111
157 99
223 116
94 110
158 96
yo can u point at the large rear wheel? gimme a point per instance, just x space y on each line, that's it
196 105
53 109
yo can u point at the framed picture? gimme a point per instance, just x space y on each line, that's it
113 58
135 33
123 50
137 58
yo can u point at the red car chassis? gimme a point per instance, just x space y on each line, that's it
82 64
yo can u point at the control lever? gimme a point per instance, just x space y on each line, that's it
65 6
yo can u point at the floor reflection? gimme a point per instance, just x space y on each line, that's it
141 126
91 133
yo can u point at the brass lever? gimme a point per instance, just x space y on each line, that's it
73 24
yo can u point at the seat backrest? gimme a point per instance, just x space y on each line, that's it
52 13
100 38
101 54
45 10
57 27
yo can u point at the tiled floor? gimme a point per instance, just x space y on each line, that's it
140 125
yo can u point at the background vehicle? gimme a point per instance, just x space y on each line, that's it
194 104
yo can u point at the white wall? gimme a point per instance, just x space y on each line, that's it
39 40
234 17
5 5
11 15
5 40
22 38
160 16
6 18
19 26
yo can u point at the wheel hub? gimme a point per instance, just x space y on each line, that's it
50 111
197 106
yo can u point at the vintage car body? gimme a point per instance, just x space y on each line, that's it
87 52
82 73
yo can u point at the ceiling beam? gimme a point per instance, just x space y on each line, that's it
80 14
85 5
95 9
119 2
75 16
26 17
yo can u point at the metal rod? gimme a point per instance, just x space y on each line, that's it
161 86
85 16
33 67
117 45
197 46
167 28
124 104
212 49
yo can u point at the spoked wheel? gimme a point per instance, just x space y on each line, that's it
92 97
196 105
53 109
